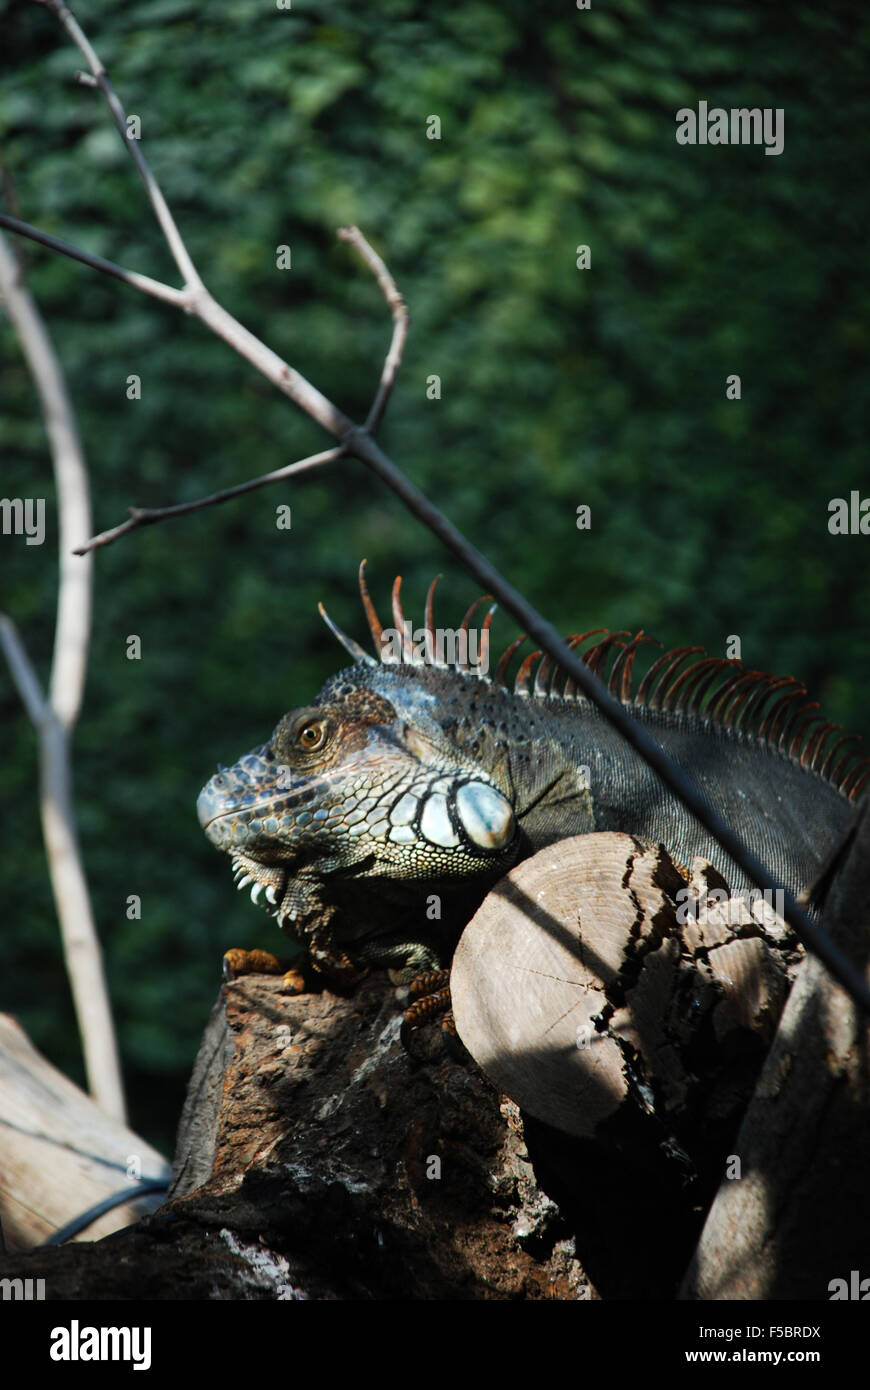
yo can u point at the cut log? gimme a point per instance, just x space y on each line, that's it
531 975
628 1013
60 1155
592 979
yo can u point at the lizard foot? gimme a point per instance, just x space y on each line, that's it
430 996
238 962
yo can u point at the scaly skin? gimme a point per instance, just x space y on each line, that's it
405 781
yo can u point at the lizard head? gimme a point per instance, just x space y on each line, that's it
363 784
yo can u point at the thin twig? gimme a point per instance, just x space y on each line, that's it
399 310
23 672
148 516
164 217
141 516
155 288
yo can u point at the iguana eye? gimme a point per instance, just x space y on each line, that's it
311 735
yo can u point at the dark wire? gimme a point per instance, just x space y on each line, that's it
87 1218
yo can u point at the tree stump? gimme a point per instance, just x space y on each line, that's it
318 1160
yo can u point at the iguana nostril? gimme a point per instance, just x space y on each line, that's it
487 816
209 803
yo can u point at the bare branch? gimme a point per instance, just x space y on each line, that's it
72 636
273 367
151 515
155 288
54 718
23 672
201 304
400 323
119 116
147 516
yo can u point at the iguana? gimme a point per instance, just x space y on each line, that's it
375 820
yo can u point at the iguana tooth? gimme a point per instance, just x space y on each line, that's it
243 882
256 891
271 894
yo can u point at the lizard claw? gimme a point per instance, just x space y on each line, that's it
430 995
238 962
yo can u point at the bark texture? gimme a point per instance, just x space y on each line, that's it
317 1159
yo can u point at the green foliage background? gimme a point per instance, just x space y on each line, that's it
559 387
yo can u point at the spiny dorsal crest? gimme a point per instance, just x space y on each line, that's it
722 692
